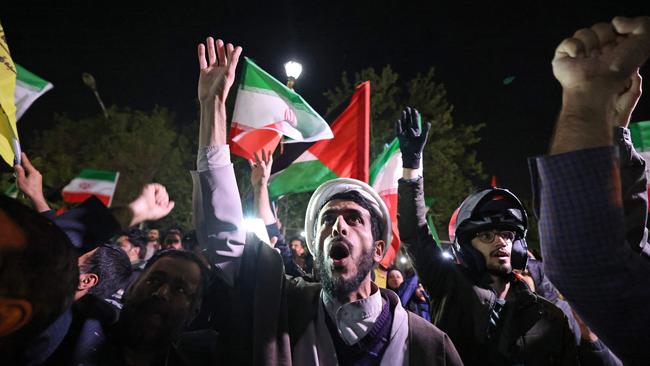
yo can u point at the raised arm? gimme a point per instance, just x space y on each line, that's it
30 181
260 174
413 229
582 220
217 211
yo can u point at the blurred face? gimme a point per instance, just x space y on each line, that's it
496 247
173 241
347 251
395 279
296 247
131 250
162 302
153 235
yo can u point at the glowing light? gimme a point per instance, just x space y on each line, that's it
293 69
403 260
447 256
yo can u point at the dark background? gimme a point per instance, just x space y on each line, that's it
145 55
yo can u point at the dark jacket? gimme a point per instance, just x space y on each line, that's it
532 331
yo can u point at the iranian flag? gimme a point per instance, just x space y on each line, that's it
385 171
303 167
640 132
266 110
29 87
91 182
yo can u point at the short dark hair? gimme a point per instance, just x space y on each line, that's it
376 223
301 240
188 256
112 267
43 271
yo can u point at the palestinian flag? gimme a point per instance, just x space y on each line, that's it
91 182
385 171
28 88
265 110
303 167
640 132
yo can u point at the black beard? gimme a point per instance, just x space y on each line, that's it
502 271
137 334
338 287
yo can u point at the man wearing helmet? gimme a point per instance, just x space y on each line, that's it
267 318
492 317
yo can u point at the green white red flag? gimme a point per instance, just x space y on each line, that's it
266 110
91 182
385 171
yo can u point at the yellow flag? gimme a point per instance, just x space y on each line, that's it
8 129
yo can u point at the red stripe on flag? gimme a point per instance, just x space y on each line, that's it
390 198
348 153
80 197
253 141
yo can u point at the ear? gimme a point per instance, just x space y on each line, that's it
14 314
87 280
380 248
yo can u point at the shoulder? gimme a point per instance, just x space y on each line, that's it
429 345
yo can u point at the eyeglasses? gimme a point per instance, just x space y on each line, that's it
488 237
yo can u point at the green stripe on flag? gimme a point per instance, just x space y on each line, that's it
257 80
640 132
299 177
29 78
433 230
382 159
97 174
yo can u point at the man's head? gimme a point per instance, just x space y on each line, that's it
297 246
103 271
347 227
164 299
489 222
173 240
394 279
38 273
153 235
133 242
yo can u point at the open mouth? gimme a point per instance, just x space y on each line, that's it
339 251
500 254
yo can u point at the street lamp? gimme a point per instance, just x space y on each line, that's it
293 70
89 80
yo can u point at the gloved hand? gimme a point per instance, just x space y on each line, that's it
412 137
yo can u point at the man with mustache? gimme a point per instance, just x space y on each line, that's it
490 314
344 320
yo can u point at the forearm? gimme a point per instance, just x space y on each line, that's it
40 204
415 235
262 204
587 120
212 131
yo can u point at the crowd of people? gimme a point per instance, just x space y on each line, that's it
89 287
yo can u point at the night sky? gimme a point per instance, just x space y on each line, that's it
143 56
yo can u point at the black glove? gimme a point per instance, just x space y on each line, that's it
411 138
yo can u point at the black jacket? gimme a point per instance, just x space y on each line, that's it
532 331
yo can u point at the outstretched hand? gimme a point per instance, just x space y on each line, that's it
261 169
605 54
152 204
412 137
217 72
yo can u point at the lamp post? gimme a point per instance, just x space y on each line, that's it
89 80
293 70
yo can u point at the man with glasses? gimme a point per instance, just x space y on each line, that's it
487 310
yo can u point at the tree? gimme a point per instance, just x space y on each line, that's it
142 146
450 164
